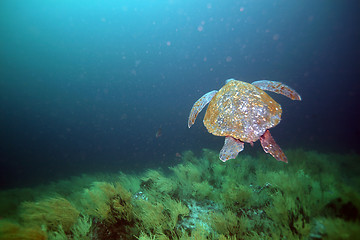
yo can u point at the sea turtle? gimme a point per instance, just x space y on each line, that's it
243 112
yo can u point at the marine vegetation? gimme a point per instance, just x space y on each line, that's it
250 197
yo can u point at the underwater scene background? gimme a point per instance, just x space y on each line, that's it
95 98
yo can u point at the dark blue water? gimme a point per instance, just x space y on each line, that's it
85 85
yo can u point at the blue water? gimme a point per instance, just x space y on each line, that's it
85 85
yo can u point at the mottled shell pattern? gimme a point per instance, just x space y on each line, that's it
242 111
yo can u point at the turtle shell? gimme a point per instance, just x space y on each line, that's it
242 111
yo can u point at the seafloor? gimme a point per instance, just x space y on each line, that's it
314 196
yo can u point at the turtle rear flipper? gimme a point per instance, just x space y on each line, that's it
199 105
231 149
269 145
277 87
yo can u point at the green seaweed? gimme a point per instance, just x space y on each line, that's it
339 229
229 224
13 231
251 197
51 213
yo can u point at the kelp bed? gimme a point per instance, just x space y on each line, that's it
314 196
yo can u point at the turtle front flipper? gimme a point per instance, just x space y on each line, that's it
231 149
199 105
277 87
269 145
